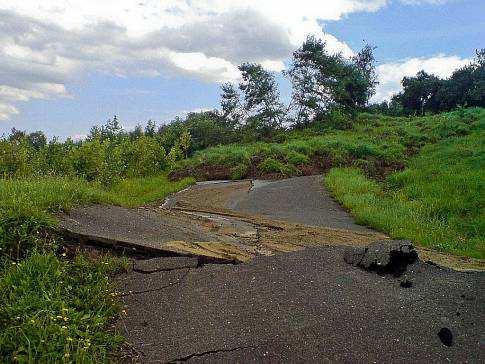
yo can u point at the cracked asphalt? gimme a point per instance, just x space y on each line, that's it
307 306
304 306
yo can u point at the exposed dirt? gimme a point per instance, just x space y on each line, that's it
374 168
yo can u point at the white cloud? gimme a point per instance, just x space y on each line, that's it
391 74
6 110
45 45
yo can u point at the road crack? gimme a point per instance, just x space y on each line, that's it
209 352
179 281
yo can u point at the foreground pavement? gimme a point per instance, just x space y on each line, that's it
306 306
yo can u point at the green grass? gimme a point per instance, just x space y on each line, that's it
54 194
372 141
53 310
437 202
26 206
58 311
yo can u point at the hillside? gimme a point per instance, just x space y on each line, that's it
419 178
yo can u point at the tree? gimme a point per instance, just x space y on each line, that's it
16 135
364 62
419 93
136 133
150 128
231 105
112 129
428 93
94 133
208 129
37 139
310 93
184 142
321 80
261 98
466 86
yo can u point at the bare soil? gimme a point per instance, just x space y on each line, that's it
319 164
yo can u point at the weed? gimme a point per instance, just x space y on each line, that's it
56 311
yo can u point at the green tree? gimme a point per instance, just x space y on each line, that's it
150 128
37 139
174 155
261 98
419 93
321 80
231 105
208 129
185 141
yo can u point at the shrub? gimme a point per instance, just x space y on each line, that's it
239 172
271 165
296 158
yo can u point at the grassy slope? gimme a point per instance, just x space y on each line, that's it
437 201
53 310
373 142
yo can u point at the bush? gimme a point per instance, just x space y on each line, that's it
239 172
296 158
271 165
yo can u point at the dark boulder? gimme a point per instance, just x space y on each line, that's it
383 256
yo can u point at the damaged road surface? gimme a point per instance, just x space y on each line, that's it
198 222
254 271
307 306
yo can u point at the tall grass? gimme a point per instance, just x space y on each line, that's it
438 201
53 310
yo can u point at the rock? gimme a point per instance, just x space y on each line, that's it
446 336
383 256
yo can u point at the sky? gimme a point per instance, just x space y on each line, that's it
67 65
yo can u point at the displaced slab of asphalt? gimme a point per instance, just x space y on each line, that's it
197 222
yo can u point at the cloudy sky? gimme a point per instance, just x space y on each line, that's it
68 64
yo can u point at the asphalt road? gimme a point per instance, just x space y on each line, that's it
300 199
305 306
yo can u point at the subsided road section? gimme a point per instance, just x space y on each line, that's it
294 300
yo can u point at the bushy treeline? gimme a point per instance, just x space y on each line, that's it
105 156
427 93
328 91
